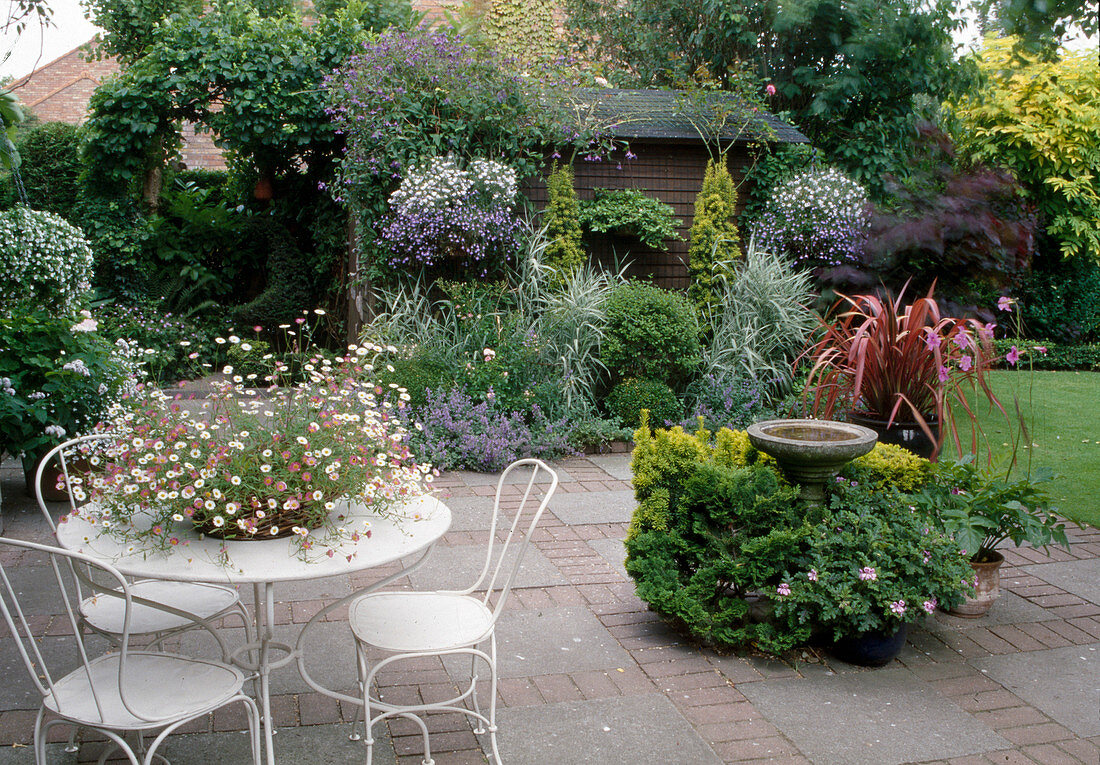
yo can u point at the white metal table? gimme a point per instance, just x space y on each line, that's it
263 564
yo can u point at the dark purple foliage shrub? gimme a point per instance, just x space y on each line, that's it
967 226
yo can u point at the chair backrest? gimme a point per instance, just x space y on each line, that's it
69 459
56 585
504 556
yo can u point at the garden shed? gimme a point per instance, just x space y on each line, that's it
671 134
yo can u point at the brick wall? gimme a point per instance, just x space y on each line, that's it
59 91
670 172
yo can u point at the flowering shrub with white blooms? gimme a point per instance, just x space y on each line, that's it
441 211
59 377
44 261
819 217
257 464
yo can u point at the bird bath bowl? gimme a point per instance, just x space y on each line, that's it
811 452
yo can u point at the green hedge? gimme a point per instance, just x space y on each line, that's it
1058 356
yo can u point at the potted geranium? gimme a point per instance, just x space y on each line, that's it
255 464
906 371
874 565
981 509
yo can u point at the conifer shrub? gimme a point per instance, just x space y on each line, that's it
714 239
563 229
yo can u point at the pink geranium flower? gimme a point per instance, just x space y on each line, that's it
1012 356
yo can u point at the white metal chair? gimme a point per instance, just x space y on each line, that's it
161 609
411 625
120 692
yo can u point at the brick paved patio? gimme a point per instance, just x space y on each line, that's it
589 675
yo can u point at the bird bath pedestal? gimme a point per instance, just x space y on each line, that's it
811 452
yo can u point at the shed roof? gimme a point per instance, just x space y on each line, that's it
678 115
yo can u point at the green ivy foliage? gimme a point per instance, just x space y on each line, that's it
630 212
714 242
563 230
523 30
651 333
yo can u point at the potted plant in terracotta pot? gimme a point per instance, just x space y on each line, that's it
905 371
982 509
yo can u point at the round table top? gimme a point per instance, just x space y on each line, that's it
425 520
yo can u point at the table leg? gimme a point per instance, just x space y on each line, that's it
263 599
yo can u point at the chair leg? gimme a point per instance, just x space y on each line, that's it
40 738
493 697
473 694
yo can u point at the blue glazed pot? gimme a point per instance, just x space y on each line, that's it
871 649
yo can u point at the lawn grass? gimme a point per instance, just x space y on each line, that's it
1062 410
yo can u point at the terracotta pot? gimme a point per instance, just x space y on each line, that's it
905 434
282 520
989 587
50 477
871 649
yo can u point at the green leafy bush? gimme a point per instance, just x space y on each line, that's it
870 566
58 376
1061 300
627 400
704 544
1047 354
714 241
562 220
49 167
629 212
166 339
651 333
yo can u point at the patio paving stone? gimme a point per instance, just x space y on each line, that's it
612 551
638 729
1064 683
550 641
883 717
615 465
1081 577
450 568
581 508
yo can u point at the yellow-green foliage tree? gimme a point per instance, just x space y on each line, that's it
1041 119
714 237
563 229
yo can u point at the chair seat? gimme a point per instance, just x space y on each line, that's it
157 685
105 613
419 621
